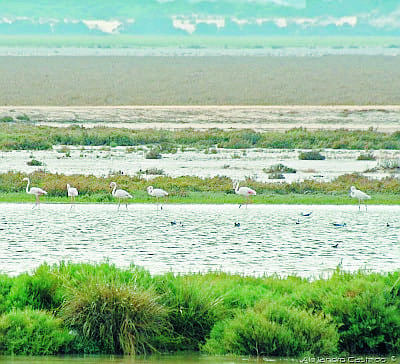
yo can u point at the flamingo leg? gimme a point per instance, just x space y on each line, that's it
37 202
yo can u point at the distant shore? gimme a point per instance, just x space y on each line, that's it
218 80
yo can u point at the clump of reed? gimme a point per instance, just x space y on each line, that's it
114 318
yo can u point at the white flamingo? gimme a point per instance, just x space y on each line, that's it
360 195
34 191
157 193
244 191
72 192
120 194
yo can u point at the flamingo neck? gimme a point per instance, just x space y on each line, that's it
113 191
27 186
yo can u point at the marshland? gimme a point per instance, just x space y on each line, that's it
301 271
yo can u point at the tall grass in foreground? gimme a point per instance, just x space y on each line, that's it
99 308
114 319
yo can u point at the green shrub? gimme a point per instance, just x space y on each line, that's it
6 119
366 157
193 311
154 154
369 322
274 331
41 290
32 332
279 168
34 162
114 318
311 155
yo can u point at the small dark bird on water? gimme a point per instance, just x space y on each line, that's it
335 246
237 224
387 224
308 213
297 222
339 224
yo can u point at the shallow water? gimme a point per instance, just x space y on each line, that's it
193 358
204 238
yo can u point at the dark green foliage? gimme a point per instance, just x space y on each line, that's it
311 155
34 162
32 332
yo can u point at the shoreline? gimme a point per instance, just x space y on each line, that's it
383 118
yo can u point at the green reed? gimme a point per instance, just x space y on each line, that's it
99 308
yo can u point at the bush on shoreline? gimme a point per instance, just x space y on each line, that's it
105 309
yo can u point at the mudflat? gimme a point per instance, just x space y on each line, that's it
194 80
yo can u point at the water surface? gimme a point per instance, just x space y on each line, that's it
270 239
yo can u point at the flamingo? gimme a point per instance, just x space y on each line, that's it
244 191
72 192
120 194
34 191
360 195
156 192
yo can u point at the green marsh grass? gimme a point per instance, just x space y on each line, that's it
32 332
192 189
100 308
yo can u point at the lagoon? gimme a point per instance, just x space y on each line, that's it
271 239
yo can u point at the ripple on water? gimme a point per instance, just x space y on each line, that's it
268 240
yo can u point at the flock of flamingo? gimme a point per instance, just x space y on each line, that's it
120 194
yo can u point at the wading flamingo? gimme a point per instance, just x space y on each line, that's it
34 191
157 193
244 191
360 195
119 194
72 192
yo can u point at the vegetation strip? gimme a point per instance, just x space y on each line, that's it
24 135
99 308
192 189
